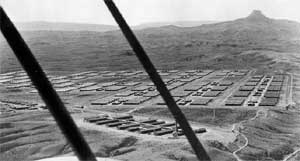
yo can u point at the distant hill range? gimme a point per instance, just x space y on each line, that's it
53 26
219 45
176 23
60 26
255 27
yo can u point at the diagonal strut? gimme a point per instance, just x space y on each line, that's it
161 87
45 89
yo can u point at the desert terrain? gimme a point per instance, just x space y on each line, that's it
237 82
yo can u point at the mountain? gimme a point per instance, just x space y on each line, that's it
255 27
257 16
176 23
215 46
53 26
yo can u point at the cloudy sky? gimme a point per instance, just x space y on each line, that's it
143 11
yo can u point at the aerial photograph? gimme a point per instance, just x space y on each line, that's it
150 80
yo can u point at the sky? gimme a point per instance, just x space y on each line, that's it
144 11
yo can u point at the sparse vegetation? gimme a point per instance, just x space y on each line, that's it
279 152
223 117
217 144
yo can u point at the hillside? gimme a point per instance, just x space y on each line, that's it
214 46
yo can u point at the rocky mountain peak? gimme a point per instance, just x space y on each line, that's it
257 15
